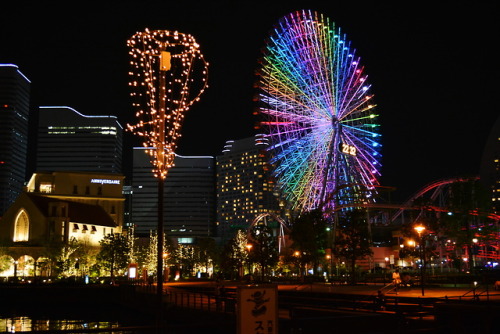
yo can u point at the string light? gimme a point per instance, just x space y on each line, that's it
168 75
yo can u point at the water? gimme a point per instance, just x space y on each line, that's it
28 324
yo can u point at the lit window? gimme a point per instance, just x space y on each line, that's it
21 227
45 188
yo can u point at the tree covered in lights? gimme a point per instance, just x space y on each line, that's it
168 75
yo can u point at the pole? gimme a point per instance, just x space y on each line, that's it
422 264
160 153
159 263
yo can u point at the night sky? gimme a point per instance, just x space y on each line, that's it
433 69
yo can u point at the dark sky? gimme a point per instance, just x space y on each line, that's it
433 69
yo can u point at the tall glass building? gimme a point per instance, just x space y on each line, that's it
71 141
490 166
14 117
244 186
189 197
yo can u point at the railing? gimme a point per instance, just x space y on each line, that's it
473 293
202 301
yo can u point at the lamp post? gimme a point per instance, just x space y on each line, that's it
165 267
330 265
249 248
420 229
296 254
473 253
15 271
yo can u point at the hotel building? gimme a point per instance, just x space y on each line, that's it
244 186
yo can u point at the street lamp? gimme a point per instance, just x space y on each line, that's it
296 254
473 253
330 265
165 267
15 270
420 229
249 248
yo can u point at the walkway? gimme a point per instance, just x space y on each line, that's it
415 291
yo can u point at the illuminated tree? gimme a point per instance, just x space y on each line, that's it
265 248
114 253
168 74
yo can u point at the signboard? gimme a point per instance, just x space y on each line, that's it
258 309
105 181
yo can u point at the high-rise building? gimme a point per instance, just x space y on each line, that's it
71 141
490 166
244 186
189 197
14 117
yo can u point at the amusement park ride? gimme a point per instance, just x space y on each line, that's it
319 116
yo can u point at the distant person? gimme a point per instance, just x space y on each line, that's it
396 279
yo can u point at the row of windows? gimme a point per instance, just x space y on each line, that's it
85 229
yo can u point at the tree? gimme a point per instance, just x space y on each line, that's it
207 252
65 257
309 238
114 253
185 255
235 253
352 242
264 248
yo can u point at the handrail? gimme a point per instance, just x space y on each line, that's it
476 295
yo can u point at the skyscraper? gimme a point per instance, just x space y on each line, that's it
189 197
244 186
71 141
490 166
14 117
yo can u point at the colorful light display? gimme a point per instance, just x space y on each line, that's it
168 75
318 114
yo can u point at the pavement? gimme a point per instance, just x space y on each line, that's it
463 292
431 291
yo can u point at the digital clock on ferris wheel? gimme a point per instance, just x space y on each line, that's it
348 149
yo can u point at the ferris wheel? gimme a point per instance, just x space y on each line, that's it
318 114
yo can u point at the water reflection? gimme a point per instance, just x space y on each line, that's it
28 324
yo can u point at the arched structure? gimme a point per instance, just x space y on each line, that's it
282 229
21 227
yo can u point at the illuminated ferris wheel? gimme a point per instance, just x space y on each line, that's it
318 114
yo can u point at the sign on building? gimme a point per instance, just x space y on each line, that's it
258 309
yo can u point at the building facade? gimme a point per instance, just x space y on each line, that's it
189 197
244 186
14 118
71 141
59 208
